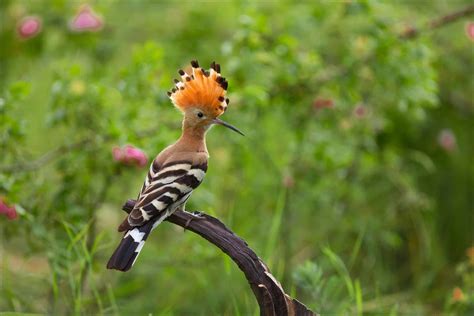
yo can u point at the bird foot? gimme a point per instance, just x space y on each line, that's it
196 215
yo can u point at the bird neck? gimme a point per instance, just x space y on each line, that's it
193 139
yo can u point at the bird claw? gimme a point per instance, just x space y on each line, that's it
196 215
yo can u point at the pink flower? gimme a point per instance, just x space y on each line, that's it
86 20
321 103
29 27
360 111
117 153
447 140
470 30
8 211
130 155
135 155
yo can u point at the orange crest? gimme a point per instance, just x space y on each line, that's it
203 89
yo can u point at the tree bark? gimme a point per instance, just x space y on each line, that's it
271 297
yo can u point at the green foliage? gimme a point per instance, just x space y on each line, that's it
335 292
343 184
462 299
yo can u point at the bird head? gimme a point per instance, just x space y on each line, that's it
201 97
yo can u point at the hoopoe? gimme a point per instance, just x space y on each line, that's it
179 168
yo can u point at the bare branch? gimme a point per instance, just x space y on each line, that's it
45 158
334 72
271 297
438 22
54 154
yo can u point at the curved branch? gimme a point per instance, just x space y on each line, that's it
271 297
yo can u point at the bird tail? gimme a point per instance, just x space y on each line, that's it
129 248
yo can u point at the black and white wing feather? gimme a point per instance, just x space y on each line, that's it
165 189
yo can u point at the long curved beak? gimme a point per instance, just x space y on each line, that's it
221 122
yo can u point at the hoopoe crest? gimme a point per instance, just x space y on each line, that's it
179 168
206 89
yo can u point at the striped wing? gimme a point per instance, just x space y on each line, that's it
170 185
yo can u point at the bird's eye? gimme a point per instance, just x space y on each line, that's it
200 115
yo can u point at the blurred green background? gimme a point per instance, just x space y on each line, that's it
354 182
